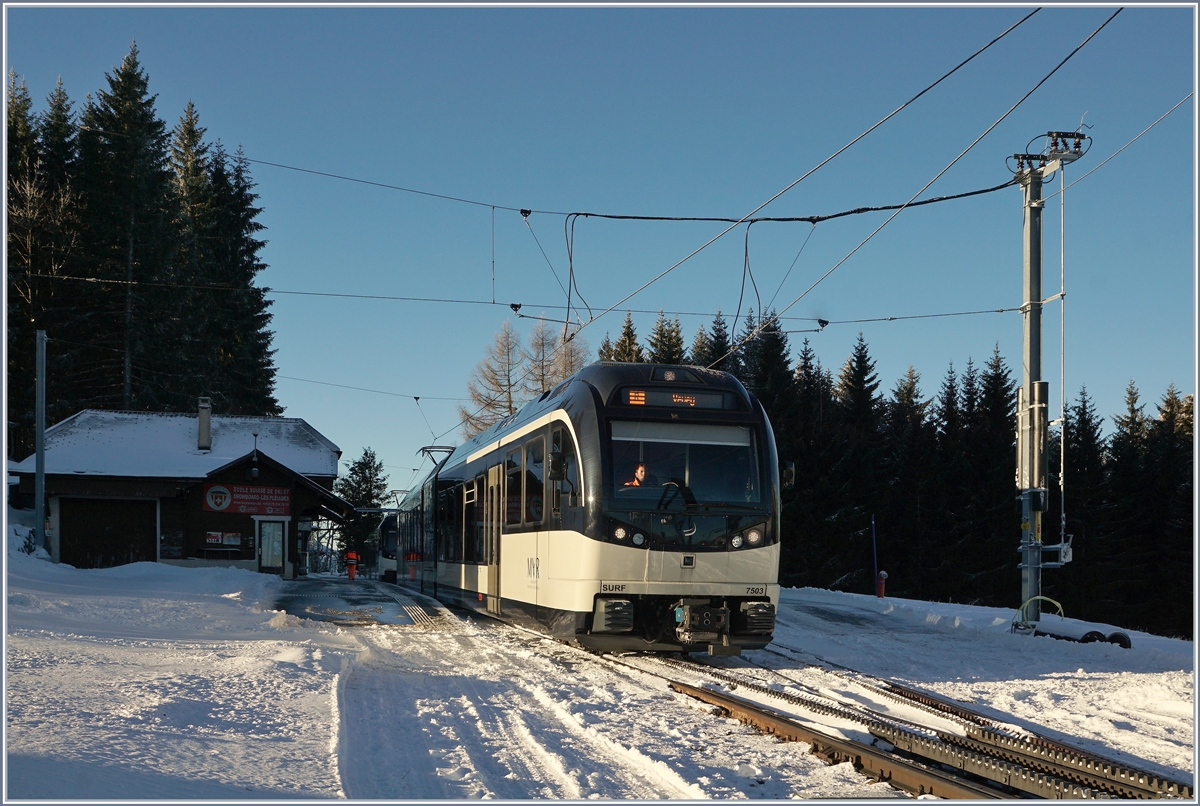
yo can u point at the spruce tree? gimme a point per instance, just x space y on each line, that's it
666 342
746 353
605 352
128 218
43 233
21 138
719 345
1083 480
365 486
245 358
773 383
701 349
1168 574
627 348
808 548
903 545
57 141
856 392
25 220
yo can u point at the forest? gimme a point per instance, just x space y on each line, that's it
923 486
135 249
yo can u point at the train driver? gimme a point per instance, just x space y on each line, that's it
639 476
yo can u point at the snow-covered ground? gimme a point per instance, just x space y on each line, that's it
150 681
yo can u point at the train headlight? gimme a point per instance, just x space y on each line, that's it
619 533
638 539
755 536
736 541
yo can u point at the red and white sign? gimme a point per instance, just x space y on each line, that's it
246 500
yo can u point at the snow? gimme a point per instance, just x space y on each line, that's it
152 444
157 682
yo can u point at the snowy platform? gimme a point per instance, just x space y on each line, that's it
341 601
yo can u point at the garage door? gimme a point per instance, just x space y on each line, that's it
98 534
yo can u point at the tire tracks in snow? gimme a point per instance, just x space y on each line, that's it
414 729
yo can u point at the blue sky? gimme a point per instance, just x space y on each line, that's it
676 111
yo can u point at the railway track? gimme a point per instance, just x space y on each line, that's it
949 752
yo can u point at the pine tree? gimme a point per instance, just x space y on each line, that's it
666 342
365 486
549 360
627 348
495 385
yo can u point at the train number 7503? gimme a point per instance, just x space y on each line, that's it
759 590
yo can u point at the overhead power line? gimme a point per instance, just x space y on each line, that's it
824 323
768 320
820 165
364 389
1122 148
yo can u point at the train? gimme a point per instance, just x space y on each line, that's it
632 507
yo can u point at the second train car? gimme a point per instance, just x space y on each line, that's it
632 507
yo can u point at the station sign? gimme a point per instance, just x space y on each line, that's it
243 499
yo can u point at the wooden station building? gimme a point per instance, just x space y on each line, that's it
186 489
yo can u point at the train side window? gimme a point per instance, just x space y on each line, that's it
535 474
513 488
567 493
469 525
477 521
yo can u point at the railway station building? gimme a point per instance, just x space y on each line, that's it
188 489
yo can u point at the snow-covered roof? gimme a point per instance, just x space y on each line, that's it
158 445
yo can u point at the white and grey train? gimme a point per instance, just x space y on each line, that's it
632 507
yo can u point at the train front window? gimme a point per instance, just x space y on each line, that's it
680 465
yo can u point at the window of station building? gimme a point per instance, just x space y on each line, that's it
514 488
535 473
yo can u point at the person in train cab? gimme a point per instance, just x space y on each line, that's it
639 476
351 563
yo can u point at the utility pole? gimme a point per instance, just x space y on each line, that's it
39 468
1034 394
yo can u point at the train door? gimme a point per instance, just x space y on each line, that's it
493 507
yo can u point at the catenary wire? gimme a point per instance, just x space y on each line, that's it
417 400
813 170
767 321
525 216
900 318
1122 148
788 273
364 389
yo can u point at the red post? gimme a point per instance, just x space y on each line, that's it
879 582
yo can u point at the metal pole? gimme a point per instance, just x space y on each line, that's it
1031 407
39 476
